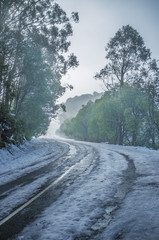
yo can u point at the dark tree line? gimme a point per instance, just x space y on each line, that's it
33 46
128 113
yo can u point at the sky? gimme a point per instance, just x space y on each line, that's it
99 21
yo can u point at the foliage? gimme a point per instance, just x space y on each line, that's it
78 127
101 122
128 113
33 46
126 56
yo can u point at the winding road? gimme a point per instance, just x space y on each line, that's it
74 162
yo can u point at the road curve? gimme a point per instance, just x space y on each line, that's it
73 160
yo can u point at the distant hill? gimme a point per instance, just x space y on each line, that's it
73 105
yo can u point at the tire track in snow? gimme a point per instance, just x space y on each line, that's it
128 178
85 162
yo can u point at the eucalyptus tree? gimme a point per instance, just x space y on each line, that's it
151 87
34 56
128 113
126 55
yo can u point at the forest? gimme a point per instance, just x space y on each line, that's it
34 46
34 43
128 112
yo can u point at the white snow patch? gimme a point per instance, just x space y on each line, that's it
26 158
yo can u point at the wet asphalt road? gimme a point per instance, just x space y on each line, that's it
67 167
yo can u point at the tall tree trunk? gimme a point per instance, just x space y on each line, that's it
152 119
121 133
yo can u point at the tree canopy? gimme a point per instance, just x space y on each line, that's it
126 57
34 41
128 112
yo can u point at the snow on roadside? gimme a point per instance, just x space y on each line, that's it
26 157
21 160
146 160
85 201
138 216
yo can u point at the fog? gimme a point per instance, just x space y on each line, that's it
99 21
72 105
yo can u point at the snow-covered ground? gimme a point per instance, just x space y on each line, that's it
118 199
20 160
138 215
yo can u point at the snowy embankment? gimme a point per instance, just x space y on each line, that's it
138 215
118 199
20 160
